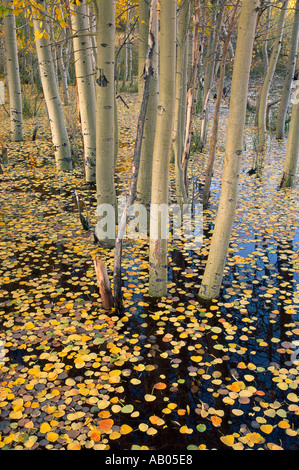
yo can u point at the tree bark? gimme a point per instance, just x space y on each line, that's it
105 103
291 66
262 124
13 76
61 144
148 71
292 155
212 154
144 184
212 278
161 157
190 98
178 131
85 86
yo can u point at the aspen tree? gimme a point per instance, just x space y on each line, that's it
13 76
292 154
262 124
161 157
291 66
180 103
85 85
146 158
61 144
105 104
212 278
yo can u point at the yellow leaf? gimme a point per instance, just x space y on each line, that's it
125 429
149 397
45 428
52 436
266 428
228 440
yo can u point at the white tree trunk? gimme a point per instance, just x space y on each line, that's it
211 282
292 155
291 66
13 76
61 144
144 185
105 93
262 124
85 86
160 175
180 102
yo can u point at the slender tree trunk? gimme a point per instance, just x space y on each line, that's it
148 71
210 68
13 76
211 282
160 176
178 135
212 154
291 66
265 58
62 149
144 185
262 126
292 155
143 27
105 115
63 74
190 98
85 86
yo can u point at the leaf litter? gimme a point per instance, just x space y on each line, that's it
171 373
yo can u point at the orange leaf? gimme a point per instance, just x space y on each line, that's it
216 421
106 424
104 414
95 435
160 386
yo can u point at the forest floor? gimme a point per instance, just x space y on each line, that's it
168 374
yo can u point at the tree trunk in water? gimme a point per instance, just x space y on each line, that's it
178 135
212 154
291 66
262 124
265 57
13 76
85 86
142 43
62 149
144 185
190 98
292 155
209 75
161 157
105 102
148 71
212 278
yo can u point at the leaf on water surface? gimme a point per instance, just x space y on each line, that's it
106 424
228 440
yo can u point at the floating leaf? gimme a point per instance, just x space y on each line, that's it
149 397
95 435
266 428
106 424
228 440
125 429
160 386
216 420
